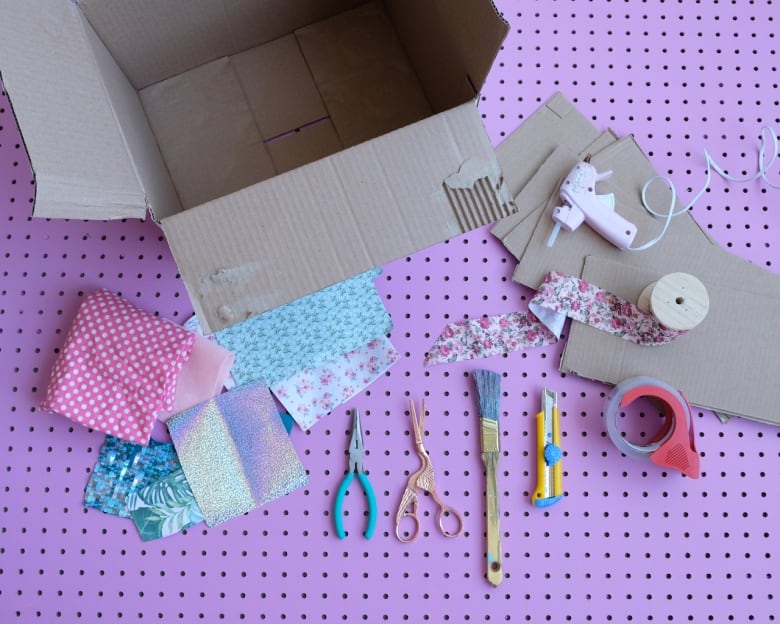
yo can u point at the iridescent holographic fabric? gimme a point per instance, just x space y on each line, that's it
235 453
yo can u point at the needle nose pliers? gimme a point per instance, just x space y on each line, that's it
355 467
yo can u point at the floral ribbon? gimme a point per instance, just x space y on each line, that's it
559 297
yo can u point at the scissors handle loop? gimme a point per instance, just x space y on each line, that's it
446 511
407 509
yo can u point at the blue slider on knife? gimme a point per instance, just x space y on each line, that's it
549 458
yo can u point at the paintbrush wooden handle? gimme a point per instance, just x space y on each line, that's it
495 572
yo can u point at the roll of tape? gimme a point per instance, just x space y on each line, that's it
673 446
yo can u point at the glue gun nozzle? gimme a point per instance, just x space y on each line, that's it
554 235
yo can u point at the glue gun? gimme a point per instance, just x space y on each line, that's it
581 203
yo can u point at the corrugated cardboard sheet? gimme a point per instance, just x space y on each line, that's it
728 363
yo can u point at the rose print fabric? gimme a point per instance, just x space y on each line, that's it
487 336
118 368
582 301
559 297
315 392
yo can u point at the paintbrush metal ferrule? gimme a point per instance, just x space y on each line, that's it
489 436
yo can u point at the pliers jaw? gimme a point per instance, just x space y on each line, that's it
356 450
356 460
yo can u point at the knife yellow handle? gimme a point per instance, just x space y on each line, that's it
549 458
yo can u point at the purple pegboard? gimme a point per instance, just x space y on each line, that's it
629 542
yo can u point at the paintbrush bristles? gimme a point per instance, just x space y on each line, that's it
488 393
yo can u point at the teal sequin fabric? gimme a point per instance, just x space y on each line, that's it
123 468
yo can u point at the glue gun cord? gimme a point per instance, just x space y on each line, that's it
763 167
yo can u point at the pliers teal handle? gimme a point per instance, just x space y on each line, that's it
355 468
338 508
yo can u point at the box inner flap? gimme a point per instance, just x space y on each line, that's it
82 168
137 133
452 45
304 145
206 132
363 73
299 232
154 40
279 87
226 125
477 31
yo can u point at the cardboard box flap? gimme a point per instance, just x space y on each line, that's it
279 87
80 160
452 45
304 230
363 73
154 40
478 32
216 151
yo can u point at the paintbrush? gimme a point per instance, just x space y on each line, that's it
488 386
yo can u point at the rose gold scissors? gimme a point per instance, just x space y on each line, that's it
422 481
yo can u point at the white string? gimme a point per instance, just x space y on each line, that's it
763 167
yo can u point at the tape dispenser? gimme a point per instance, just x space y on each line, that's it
673 446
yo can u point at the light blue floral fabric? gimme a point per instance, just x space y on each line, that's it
308 332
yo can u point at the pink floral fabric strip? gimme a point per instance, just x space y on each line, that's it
313 393
118 368
582 301
487 336
559 297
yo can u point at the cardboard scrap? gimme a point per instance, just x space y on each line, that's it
742 295
727 363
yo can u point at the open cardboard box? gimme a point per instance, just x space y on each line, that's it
283 146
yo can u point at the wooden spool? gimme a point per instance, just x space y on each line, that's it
678 301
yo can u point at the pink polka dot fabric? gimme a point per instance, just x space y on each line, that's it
118 368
